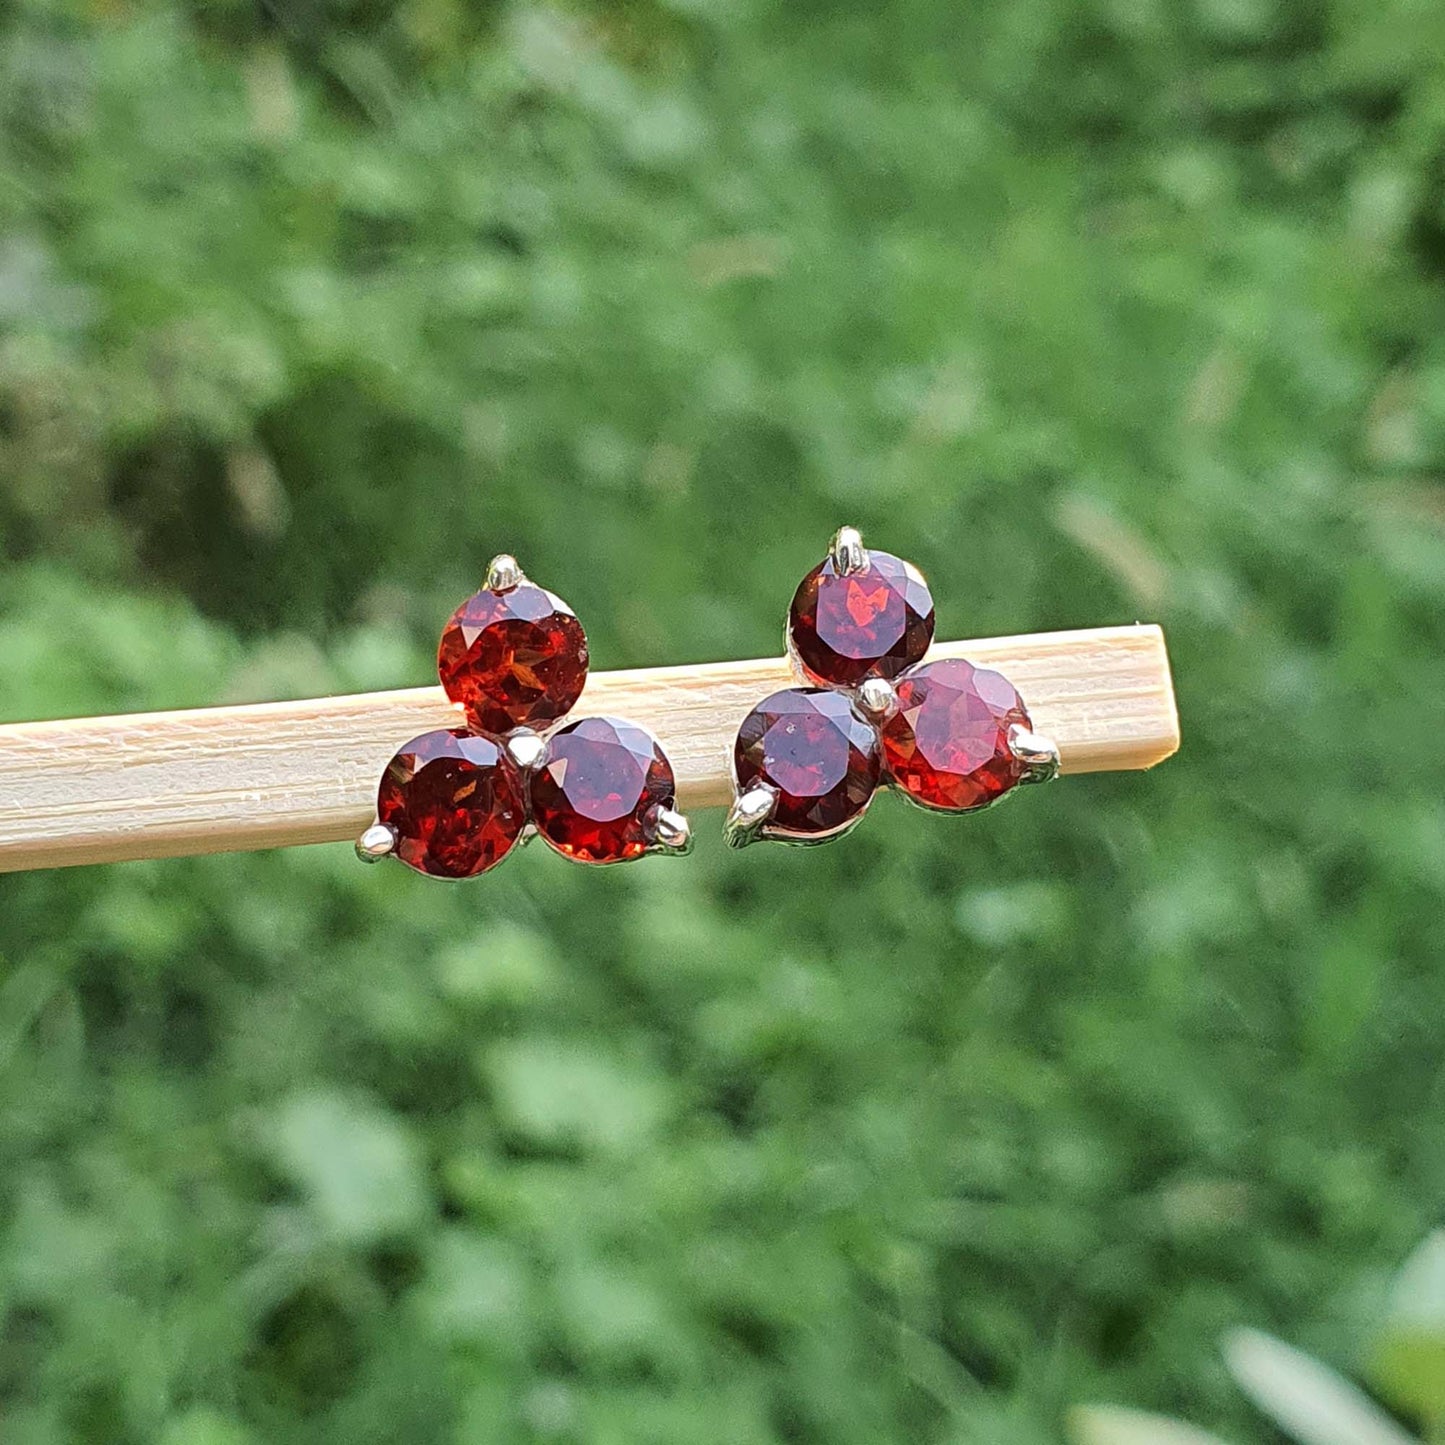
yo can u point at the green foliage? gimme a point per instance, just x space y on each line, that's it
1096 310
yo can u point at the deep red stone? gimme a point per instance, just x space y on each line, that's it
947 745
593 797
820 754
455 801
844 628
513 659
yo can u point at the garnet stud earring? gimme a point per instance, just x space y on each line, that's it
454 802
949 736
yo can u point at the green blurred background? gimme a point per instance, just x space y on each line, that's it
1098 310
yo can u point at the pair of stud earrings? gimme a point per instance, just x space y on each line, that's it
807 762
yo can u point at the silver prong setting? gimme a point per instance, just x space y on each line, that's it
847 551
1040 755
748 816
378 842
877 700
670 832
527 749
503 573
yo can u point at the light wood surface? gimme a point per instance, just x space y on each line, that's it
154 785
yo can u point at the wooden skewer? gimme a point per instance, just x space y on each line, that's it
156 785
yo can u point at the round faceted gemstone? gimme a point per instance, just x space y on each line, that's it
513 659
595 797
845 627
947 745
455 802
817 751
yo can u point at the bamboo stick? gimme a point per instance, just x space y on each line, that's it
154 785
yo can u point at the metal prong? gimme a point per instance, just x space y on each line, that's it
670 832
1039 754
877 699
848 551
528 832
503 573
749 812
378 842
528 750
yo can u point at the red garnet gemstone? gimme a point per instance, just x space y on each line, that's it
512 659
594 797
845 627
455 801
947 745
818 752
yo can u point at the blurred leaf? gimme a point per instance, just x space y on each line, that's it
1012 913
1304 1398
563 1093
24 992
1408 1358
1114 1425
204 1426
360 1169
475 1288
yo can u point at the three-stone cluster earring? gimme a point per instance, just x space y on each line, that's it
455 802
947 735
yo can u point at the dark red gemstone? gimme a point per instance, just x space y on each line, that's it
513 659
845 627
455 801
817 751
595 797
947 745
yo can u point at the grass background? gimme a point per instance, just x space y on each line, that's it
1098 310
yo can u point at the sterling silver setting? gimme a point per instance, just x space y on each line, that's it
503 573
876 699
666 830
749 815
671 833
527 749
376 843
1039 754
847 551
